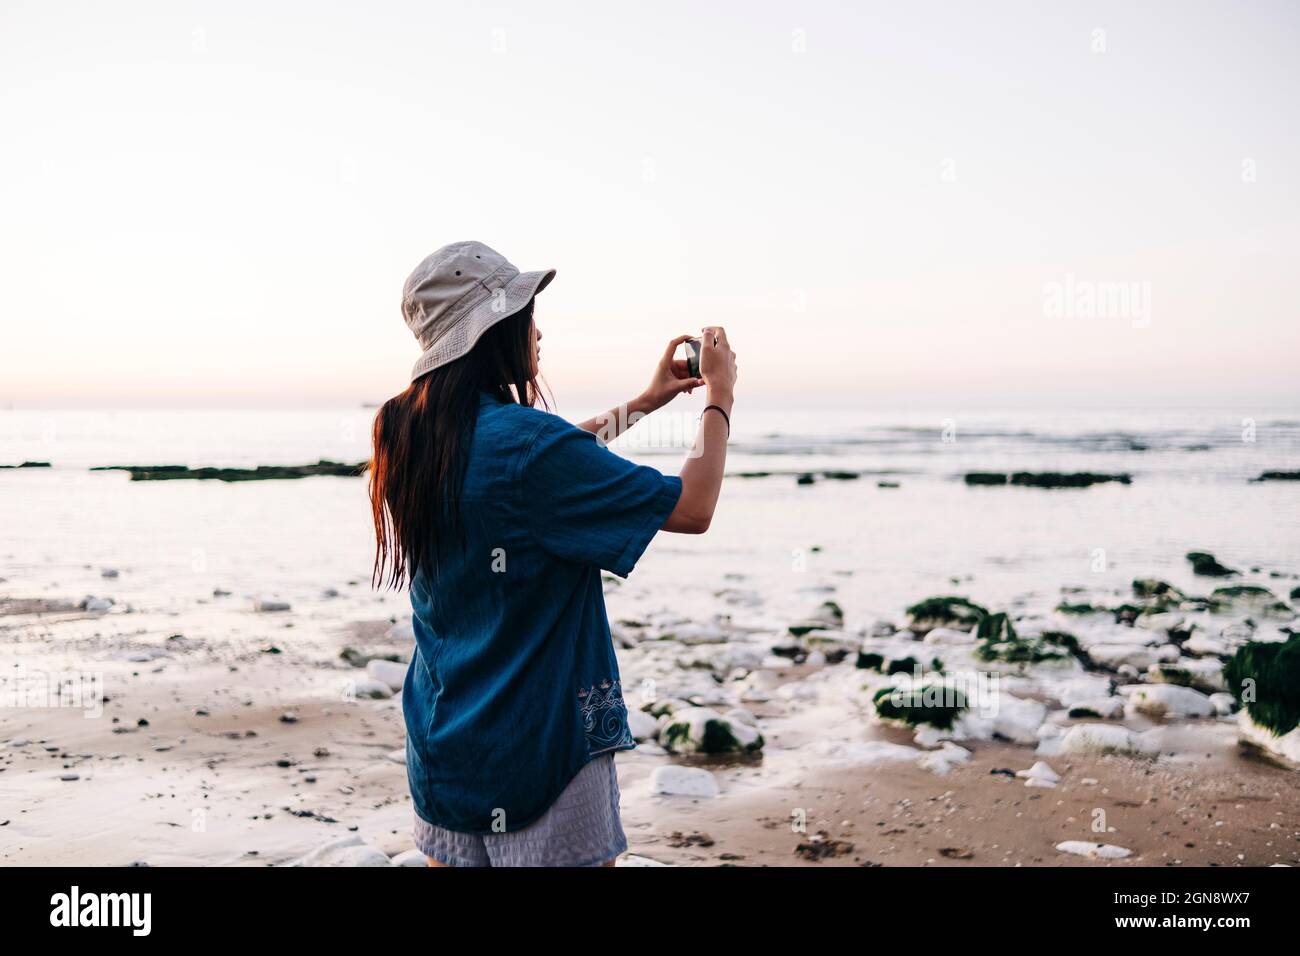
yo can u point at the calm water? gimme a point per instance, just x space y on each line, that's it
879 548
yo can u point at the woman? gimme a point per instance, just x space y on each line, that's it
500 517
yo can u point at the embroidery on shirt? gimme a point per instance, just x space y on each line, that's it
604 717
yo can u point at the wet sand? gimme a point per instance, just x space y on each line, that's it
192 762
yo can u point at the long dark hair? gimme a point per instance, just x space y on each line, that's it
421 440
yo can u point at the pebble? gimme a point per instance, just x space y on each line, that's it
390 673
1094 851
676 781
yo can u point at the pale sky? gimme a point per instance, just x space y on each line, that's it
212 204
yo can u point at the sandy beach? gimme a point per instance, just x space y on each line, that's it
234 737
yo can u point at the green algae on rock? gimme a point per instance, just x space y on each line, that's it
1205 564
705 731
935 703
942 612
1265 680
260 473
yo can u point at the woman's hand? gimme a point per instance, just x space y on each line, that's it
717 363
670 377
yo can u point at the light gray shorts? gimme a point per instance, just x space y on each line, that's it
581 828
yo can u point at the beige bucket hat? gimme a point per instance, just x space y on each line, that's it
457 294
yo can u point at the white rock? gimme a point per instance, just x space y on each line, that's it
96 603
1202 645
1224 704
941 761
410 858
402 631
642 725
1118 655
390 673
694 634
1170 700
1094 851
1286 747
345 851
742 715
370 689
1018 718
949 636
1203 674
1105 708
1105 738
928 735
676 781
1082 688
1039 775
684 731
397 756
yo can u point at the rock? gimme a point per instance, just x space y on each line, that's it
109 573
1018 718
1039 775
1203 675
1116 656
350 850
1202 645
1105 739
672 780
1169 700
1205 565
941 761
948 636
267 605
389 673
1224 704
1094 851
1149 588
367 688
410 858
703 730
694 634
92 603
1250 599
933 701
402 632
1103 708
958 612
642 725
1265 677
827 616
1283 748
397 756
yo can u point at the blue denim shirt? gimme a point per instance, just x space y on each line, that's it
514 685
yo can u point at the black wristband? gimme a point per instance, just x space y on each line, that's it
724 415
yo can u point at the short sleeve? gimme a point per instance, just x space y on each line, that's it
589 505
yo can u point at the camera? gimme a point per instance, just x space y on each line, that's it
692 357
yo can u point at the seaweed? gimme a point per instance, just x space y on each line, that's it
932 703
947 610
1272 699
1204 564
